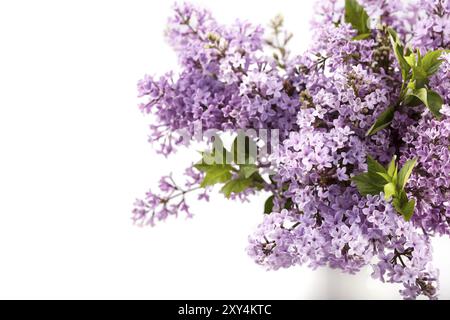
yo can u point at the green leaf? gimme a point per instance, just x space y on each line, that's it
248 170
435 103
431 62
421 94
411 59
419 57
403 198
386 176
366 185
389 191
405 173
289 204
363 36
412 101
236 186
216 174
430 99
268 205
399 52
395 175
392 168
408 209
203 167
400 201
383 121
422 69
419 76
374 166
404 206
357 17
379 179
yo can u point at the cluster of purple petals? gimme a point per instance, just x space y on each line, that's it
330 223
227 81
169 201
323 102
429 141
432 25
337 228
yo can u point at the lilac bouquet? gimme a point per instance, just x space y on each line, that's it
350 139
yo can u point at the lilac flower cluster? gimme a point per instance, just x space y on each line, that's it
344 231
323 102
432 25
226 83
170 202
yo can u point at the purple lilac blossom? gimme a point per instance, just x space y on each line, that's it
323 102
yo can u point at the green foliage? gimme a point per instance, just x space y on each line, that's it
358 18
383 121
430 99
431 62
237 185
390 181
248 170
371 182
268 205
236 170
217 173
399 52
416 71
405 173
366 185
405 207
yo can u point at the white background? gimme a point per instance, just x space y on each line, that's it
74 155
